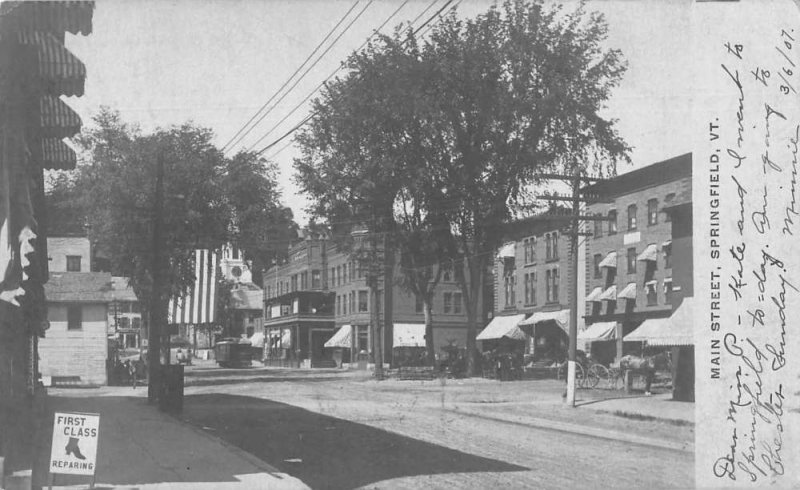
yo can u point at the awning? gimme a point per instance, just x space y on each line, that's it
57 119
678 329
666 244
54 154
609 261
599 331
561 317
56 65
342 338
609 294
650 253
508 251
595 294
408 335
257 340
503 326
667 283
629 292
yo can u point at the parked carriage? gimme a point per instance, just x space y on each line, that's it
233 353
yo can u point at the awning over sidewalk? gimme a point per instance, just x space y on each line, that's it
257 340
408 335
561 317
599 331
673 331
503 326
610 260
342 338
649 254
594 295
629 292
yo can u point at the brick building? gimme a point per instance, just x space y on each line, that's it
322 290
639 263
532 300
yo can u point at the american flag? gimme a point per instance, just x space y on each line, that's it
197 306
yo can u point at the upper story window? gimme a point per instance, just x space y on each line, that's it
652 212
457 302
447 272
73 263
294 283
632 261
598 227
448 302
668 200
530 288
530 250
632 217
74 317
304 280
597 272
316 279
510 283
554 237
363 303
612 222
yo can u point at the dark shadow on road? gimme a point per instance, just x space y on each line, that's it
323 451
251 379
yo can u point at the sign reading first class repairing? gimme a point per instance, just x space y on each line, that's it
74 448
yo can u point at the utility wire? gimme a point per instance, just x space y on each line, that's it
330 46
310 116
236 138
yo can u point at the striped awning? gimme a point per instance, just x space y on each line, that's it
599 331
560 317
197 306
650 253
676 330
61 71
595 294
57 16
610 260
503 326
628 292
54 154
343 338
57 119
609 294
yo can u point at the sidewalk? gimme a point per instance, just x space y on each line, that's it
143 448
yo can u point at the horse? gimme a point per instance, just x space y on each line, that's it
647 365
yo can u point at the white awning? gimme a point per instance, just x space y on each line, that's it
342 338
508 251
595 294
561 317
610 260
408 335
666 244
609 294
503 326
629 292
667 284
257 340
599 331
650 253
678 329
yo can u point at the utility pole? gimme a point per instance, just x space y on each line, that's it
155 324
574 218
376 265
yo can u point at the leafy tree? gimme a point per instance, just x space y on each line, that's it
476 114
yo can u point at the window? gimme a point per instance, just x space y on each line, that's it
338 305
598 227
352 271
74 317
363 304
632 217
448 302
548 247
73 263
554 237
652 294
294 283
530 250
597 272
333 277
447 274
530 288
668 256
360 271
457 302
555 284
136 322
509 289
670 197
344 273
135 307
316 280
304 280
652 212
418 304
631 261
124 322
668 291
344 304
338 275
352 302
612 222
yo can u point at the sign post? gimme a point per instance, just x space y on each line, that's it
74 447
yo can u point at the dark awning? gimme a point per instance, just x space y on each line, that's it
57 119
54 154
60 16
60 70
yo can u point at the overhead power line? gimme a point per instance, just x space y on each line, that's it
330 46
236 138
310 116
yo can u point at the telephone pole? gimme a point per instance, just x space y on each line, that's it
155 324
574 218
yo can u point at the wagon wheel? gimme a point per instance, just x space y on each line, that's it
580 376
594 375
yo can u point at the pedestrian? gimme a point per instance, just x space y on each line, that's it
138 372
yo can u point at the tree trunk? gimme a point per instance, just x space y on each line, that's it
377 344
388 295
429 348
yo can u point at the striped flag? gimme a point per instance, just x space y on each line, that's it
197 306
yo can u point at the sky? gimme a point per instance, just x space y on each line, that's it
216 62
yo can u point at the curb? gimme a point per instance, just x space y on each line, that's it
540 423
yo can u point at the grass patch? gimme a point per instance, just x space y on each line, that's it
650 418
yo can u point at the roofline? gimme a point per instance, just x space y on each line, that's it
679 167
